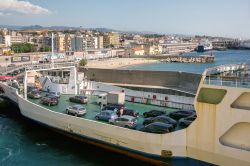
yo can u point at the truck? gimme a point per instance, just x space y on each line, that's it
111 98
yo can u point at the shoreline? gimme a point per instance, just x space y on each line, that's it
117 63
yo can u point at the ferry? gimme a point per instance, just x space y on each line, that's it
218 136
204 46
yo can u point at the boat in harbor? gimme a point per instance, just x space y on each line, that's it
204 46
219 135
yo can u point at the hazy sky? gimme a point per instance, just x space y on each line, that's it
209 17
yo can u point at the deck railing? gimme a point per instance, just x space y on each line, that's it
232 75
46 66
238 83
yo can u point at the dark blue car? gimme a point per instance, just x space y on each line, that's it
161 118
153 113
181 114
158 128
113 107
186 121
106 115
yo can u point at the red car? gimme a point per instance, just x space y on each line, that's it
4 78
49 101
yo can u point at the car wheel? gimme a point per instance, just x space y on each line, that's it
111 123
97 118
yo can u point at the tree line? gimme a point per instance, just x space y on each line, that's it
28 47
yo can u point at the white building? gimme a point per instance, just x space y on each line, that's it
7 40
97 53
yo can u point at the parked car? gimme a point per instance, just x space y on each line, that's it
79 99
49 101
153 113
113 107
11 65
56 94
130 112
124 121
31 88
34 94
16 72
76 110
161 118
106 115
157 127
21 70
180 114
186 121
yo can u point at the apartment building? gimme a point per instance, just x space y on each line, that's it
100 42
111 39
59 43
176 48
153 50
138 51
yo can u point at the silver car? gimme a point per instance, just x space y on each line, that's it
76 110
124 121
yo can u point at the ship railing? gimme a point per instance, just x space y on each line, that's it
47 66
225 68
238 83
23 67
233 75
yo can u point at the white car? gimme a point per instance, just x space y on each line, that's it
76 110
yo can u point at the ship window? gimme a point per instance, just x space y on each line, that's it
242 102
237 136
211 96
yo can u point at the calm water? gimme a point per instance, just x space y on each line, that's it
222 57
23 143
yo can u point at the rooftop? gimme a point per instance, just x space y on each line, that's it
137 49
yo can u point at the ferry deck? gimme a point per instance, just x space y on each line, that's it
93 109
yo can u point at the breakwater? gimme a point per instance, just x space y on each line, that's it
189 59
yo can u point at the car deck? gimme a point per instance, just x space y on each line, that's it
92 108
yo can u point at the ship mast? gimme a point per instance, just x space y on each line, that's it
52 50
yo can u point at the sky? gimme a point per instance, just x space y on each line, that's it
229 18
